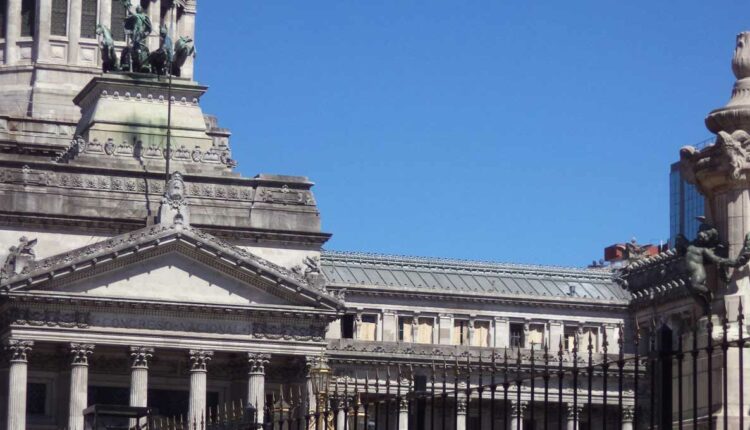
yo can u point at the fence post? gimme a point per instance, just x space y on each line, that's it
664 379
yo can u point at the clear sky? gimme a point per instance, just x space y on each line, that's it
505 130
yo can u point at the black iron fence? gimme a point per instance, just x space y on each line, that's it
691 378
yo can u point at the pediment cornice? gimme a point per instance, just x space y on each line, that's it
131 247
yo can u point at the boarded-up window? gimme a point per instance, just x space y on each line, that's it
589 336
425 330
536 335
405 329
570 337
118 20
460 332
368 327
59 26
28 17
481 336
88 18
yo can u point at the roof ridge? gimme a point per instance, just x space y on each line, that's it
464 263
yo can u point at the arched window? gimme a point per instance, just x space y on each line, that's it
59 18
88 18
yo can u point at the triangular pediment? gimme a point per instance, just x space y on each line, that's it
171 263
176 278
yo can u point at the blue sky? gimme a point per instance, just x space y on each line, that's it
516 131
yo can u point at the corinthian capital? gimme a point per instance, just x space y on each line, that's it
19 350
257 362
199 359
80 352
141 356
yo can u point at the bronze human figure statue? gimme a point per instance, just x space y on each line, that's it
706 249
138 26
183 49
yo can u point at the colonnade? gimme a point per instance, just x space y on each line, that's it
20 350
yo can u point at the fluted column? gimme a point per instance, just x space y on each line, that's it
12 31
403 415
256 382
340 413
17 377
627 418
79 383
198 369
140 356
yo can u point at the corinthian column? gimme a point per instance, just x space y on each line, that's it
256 382
403 414
627 417
19 350
79 383
140 356
198 368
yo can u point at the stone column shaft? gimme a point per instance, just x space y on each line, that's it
79 384
256 382
516 416
197 403
17 379
12 31
74 30
403 416
341 418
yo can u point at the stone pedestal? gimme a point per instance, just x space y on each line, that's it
256 381
79 382
17 378
197 403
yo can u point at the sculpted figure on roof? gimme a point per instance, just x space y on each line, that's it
706 249
19 257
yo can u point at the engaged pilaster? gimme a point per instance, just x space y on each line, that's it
12 31
79 383
198 369
256 382
17 378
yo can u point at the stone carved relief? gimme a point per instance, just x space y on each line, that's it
174 205
140 356
19 258
26 176
47 318
80 353
19 350
285 196
282 331
258 362
199 359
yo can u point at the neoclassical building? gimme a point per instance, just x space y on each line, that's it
141 268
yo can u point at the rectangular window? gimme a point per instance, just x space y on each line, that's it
28 17
118 21
569 338
3 11
405 329
516 336
536 335
368 327
460 332
481 334
89 18
36 399
425 330
59 18
347 327
589 336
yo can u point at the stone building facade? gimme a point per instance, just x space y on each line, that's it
141 268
